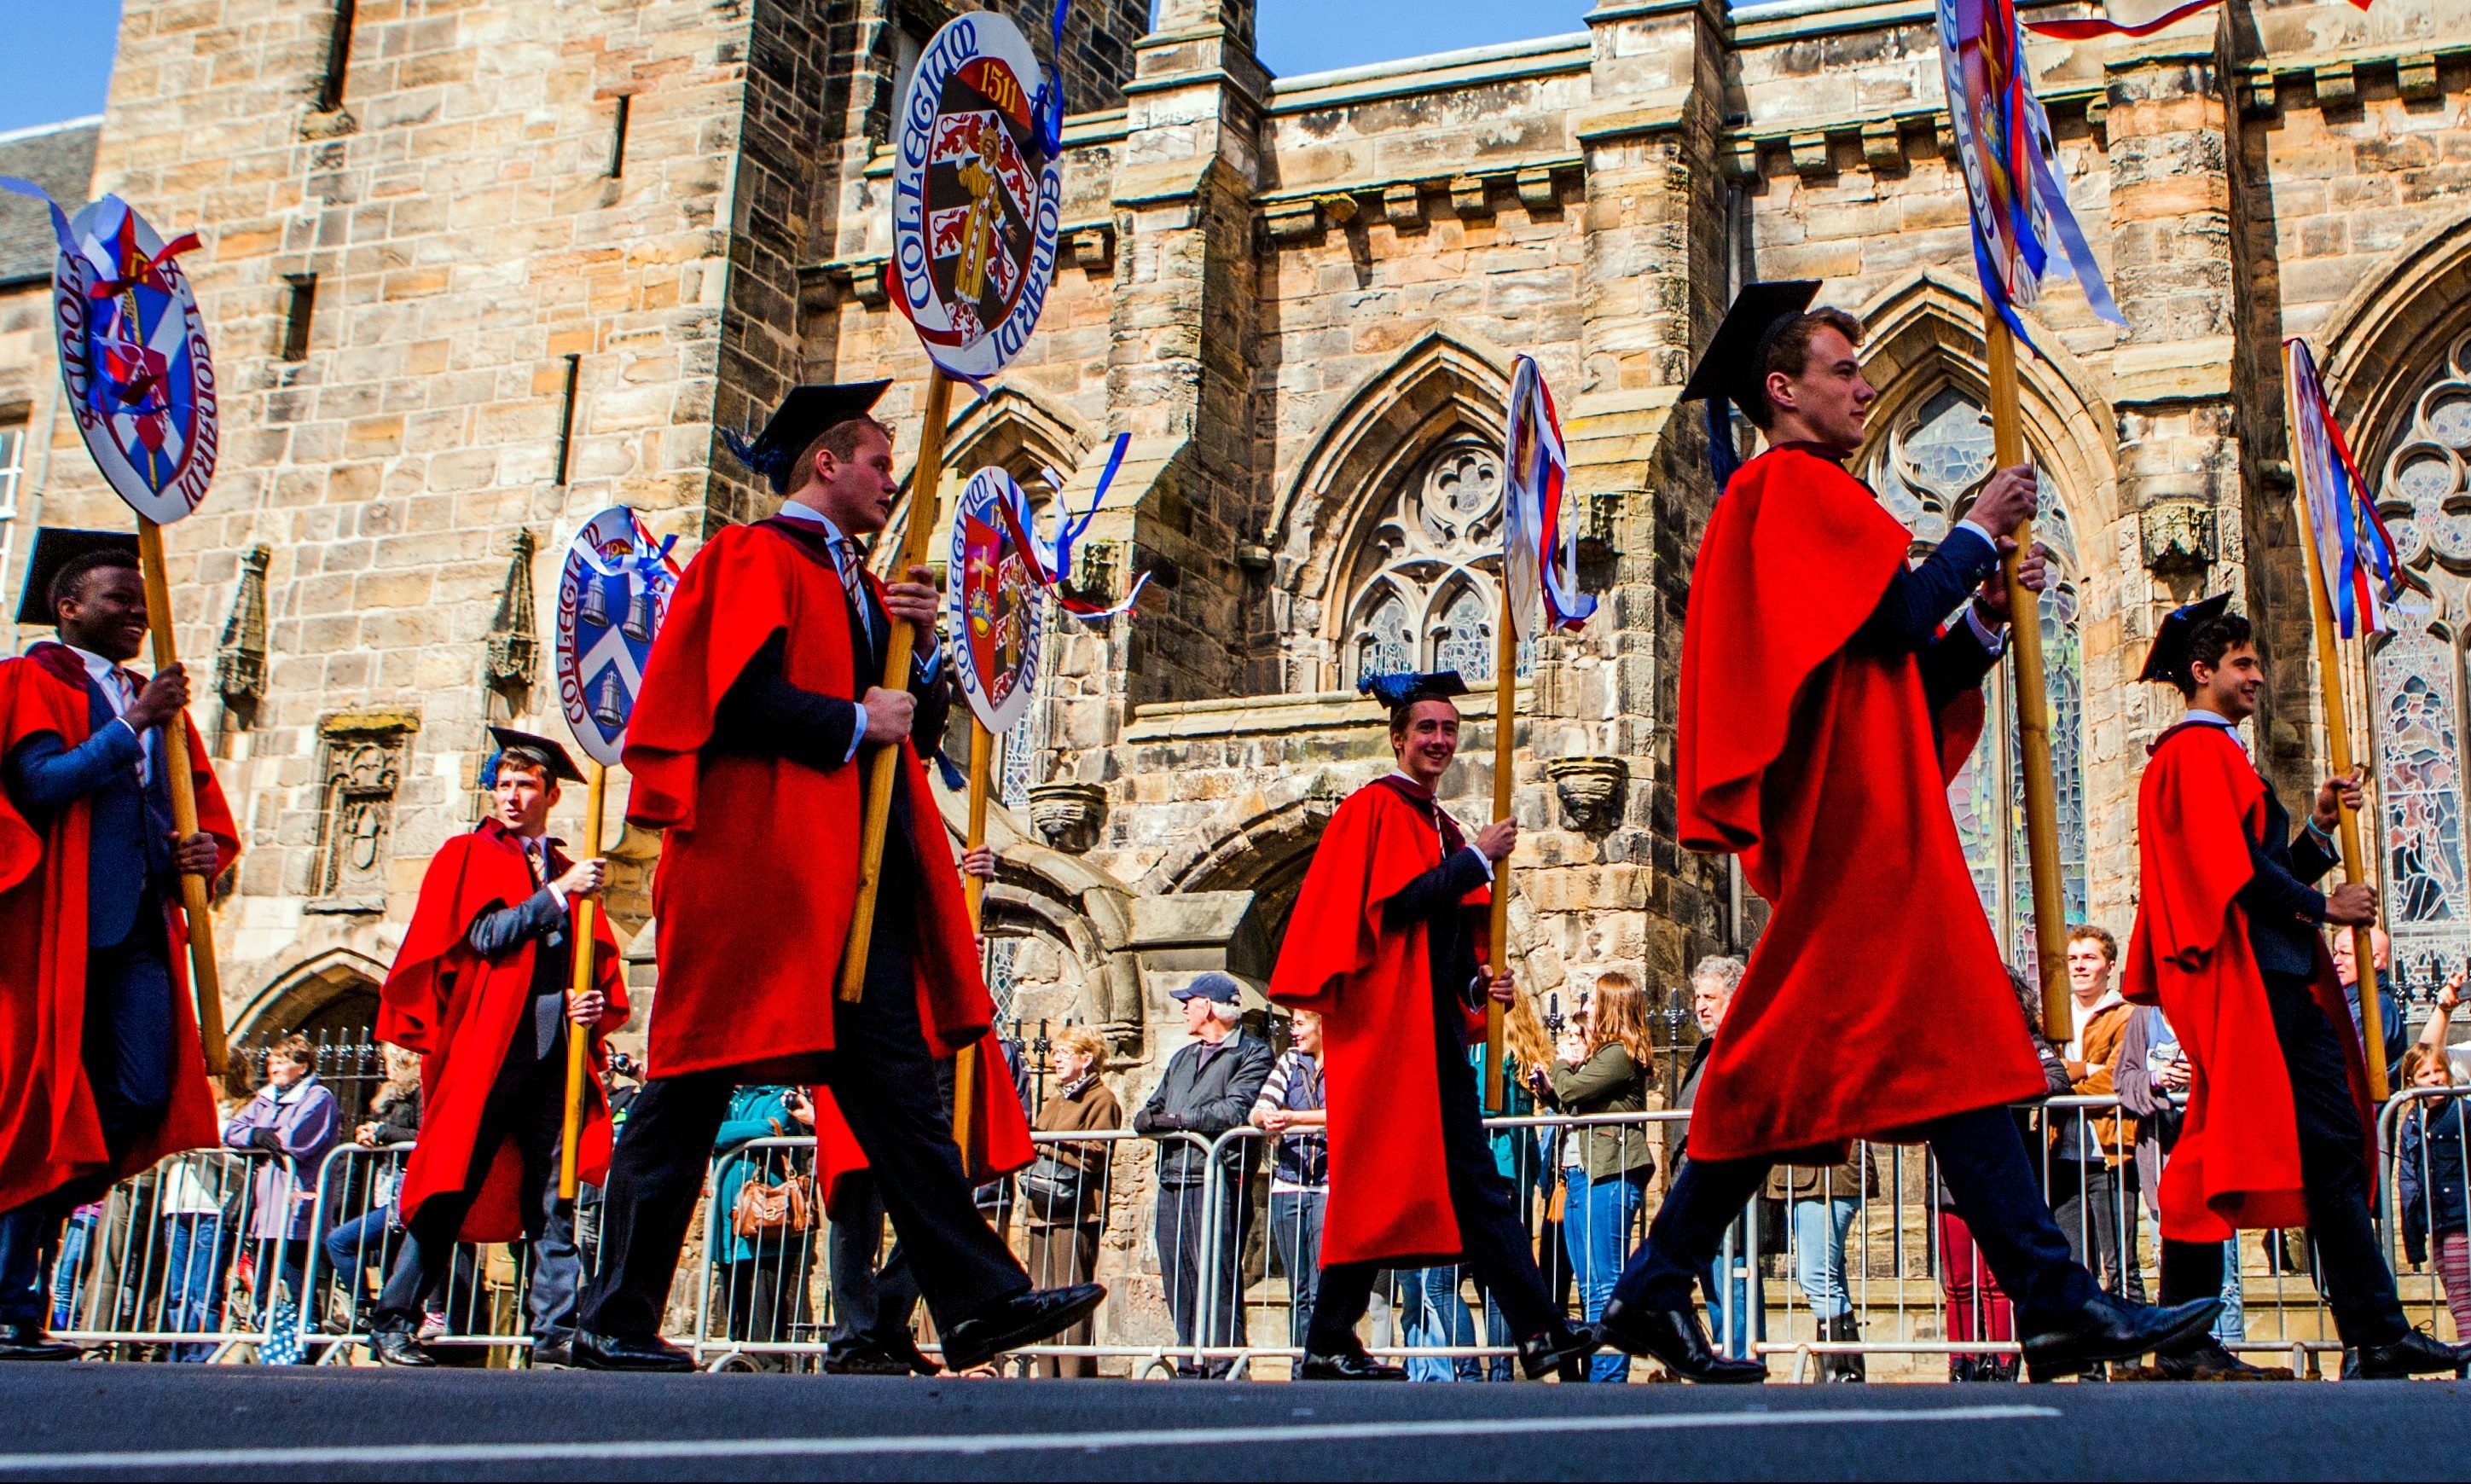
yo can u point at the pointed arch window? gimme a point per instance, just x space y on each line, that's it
2419 676
1425 590
1926 469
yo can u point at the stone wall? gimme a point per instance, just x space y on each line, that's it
1294 294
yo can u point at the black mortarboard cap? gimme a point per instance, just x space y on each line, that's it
1406 687
804 416
1730 366
55 548
2167 661
560 764
1727 374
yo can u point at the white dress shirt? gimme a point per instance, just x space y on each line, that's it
925 657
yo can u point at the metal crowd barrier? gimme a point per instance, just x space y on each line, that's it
1211 1272
2422 1204
755 1296
480 1307
192 1260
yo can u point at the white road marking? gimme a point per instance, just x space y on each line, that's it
270 1460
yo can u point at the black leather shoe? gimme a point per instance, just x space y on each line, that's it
2205 1359
872 1358
397 1347
2416 1353
1023 1319
1351 1365
1560 1351
1675 1338
32 1342
558 1354
2105 1328
590 1352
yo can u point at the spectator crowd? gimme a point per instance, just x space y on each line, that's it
281 1247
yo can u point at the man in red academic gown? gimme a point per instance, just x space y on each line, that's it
1381 943
763 703
483 989
2277 1131
101 1073
1825 698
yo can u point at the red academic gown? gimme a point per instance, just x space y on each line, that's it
461 1012
2237 1160
758 874
1372 984
49 1132
999 1133
1877 1000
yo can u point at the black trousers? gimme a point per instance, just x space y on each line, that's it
2351 1270
2098 1212
1492 1240
875 1295
1191 1282
1982 1158
884 1079
527 1106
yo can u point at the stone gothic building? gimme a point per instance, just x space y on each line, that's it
477 269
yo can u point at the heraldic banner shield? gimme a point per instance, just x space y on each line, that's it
977 195
612 596
134 357
1539 556
998 582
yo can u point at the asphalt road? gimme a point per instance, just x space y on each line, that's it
202 1423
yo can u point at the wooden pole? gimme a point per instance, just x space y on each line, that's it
884 766
965 1061
2337 742
1505 730
204 980
582 955
2033 698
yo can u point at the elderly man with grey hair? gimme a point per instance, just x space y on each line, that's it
1207 1088
1740 1319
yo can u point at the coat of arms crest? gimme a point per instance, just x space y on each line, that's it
978 198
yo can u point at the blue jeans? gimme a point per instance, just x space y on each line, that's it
193 1281
1437 1316
1295 1236
1747 1323
1597 1219
68 1272
363 1242
1819 1230
2232 1327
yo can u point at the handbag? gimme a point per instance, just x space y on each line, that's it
784 1209
1053 1188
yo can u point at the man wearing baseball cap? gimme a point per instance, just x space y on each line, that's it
1208 1089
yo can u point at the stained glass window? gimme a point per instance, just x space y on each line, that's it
1424 592
2420 783
2422 487
1463 639
1926 469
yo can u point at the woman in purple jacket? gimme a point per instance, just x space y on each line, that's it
295 1121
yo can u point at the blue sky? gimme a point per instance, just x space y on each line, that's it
58 61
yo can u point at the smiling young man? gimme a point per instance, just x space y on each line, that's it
1382 944
2227 941
100 1072
481 990
1825 698
764 695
